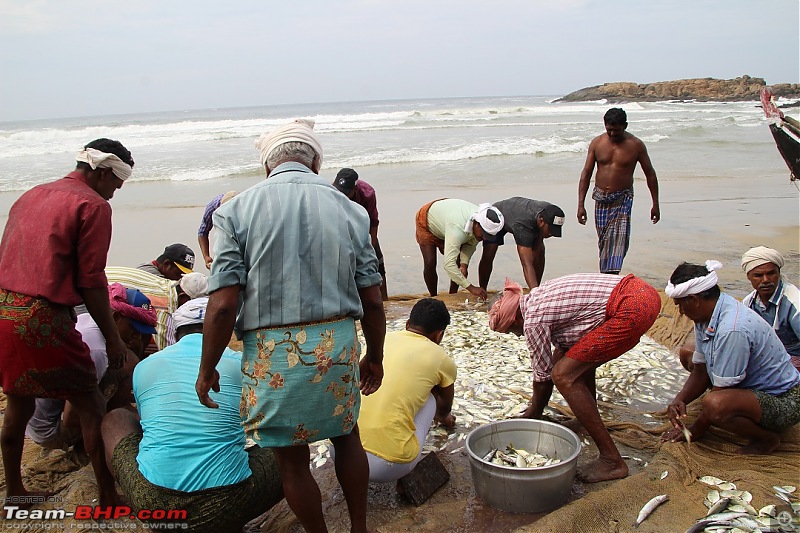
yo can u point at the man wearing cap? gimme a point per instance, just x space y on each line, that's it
755 390
177 260
774 299
178 454
294 269
363 194
530 222
60 231
454 227
615 153
206 225
134 318
590 319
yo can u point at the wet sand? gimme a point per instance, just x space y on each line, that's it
701 219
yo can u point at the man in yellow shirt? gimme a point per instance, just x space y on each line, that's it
417 389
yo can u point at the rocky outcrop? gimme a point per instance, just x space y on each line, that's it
701 89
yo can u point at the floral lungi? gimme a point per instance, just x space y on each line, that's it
300 382
41 353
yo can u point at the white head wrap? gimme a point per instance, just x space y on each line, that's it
97 159
480 217
192 312
760 255
300 130
695 285
194 285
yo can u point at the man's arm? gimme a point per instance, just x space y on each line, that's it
202 240
218 325
486 264
695 385
583 183
444 405
373 324
532 260
373 235
652 182
96 301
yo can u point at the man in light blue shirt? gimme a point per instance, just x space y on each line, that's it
774 299
293 269
180 455
755 390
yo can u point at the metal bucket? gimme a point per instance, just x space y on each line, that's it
523 490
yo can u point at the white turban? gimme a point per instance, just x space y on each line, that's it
760 255
97 159
194 285
695 285
301 130
192 312
480 217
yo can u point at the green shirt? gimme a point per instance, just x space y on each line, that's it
446 220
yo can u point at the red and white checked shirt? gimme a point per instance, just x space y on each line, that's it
561 311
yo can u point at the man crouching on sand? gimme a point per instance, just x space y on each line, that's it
591 319
755 390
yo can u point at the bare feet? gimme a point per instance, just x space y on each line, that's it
602 470
761 447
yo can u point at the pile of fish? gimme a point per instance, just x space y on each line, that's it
731 509
494 378
519 458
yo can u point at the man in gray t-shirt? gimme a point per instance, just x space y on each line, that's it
530 222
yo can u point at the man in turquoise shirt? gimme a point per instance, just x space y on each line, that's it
180 455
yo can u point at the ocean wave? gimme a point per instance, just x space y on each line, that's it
487 148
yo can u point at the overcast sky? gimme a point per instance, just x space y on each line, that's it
61 58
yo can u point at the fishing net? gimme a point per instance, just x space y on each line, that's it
616 507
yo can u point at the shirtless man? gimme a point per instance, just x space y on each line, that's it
616 153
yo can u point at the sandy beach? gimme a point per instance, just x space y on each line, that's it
704 214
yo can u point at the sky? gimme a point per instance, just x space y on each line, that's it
67 58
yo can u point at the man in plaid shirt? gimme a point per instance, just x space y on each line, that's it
589 319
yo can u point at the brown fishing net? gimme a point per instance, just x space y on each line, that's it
616 507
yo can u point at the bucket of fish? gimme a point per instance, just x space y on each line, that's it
523 466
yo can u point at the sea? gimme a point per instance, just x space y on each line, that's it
413 151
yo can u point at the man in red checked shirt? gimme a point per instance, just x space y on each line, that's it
590 319
52 258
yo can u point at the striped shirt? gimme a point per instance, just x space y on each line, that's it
299 248
163 297
561 311
207 223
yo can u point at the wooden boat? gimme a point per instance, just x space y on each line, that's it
786 132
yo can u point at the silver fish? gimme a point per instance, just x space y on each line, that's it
649 507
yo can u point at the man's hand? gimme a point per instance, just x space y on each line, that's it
582 215
208 259
676 412
205 384
117 352
371 376
448 421
655 214
477 291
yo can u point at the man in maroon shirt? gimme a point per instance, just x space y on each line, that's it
363 194
52 258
